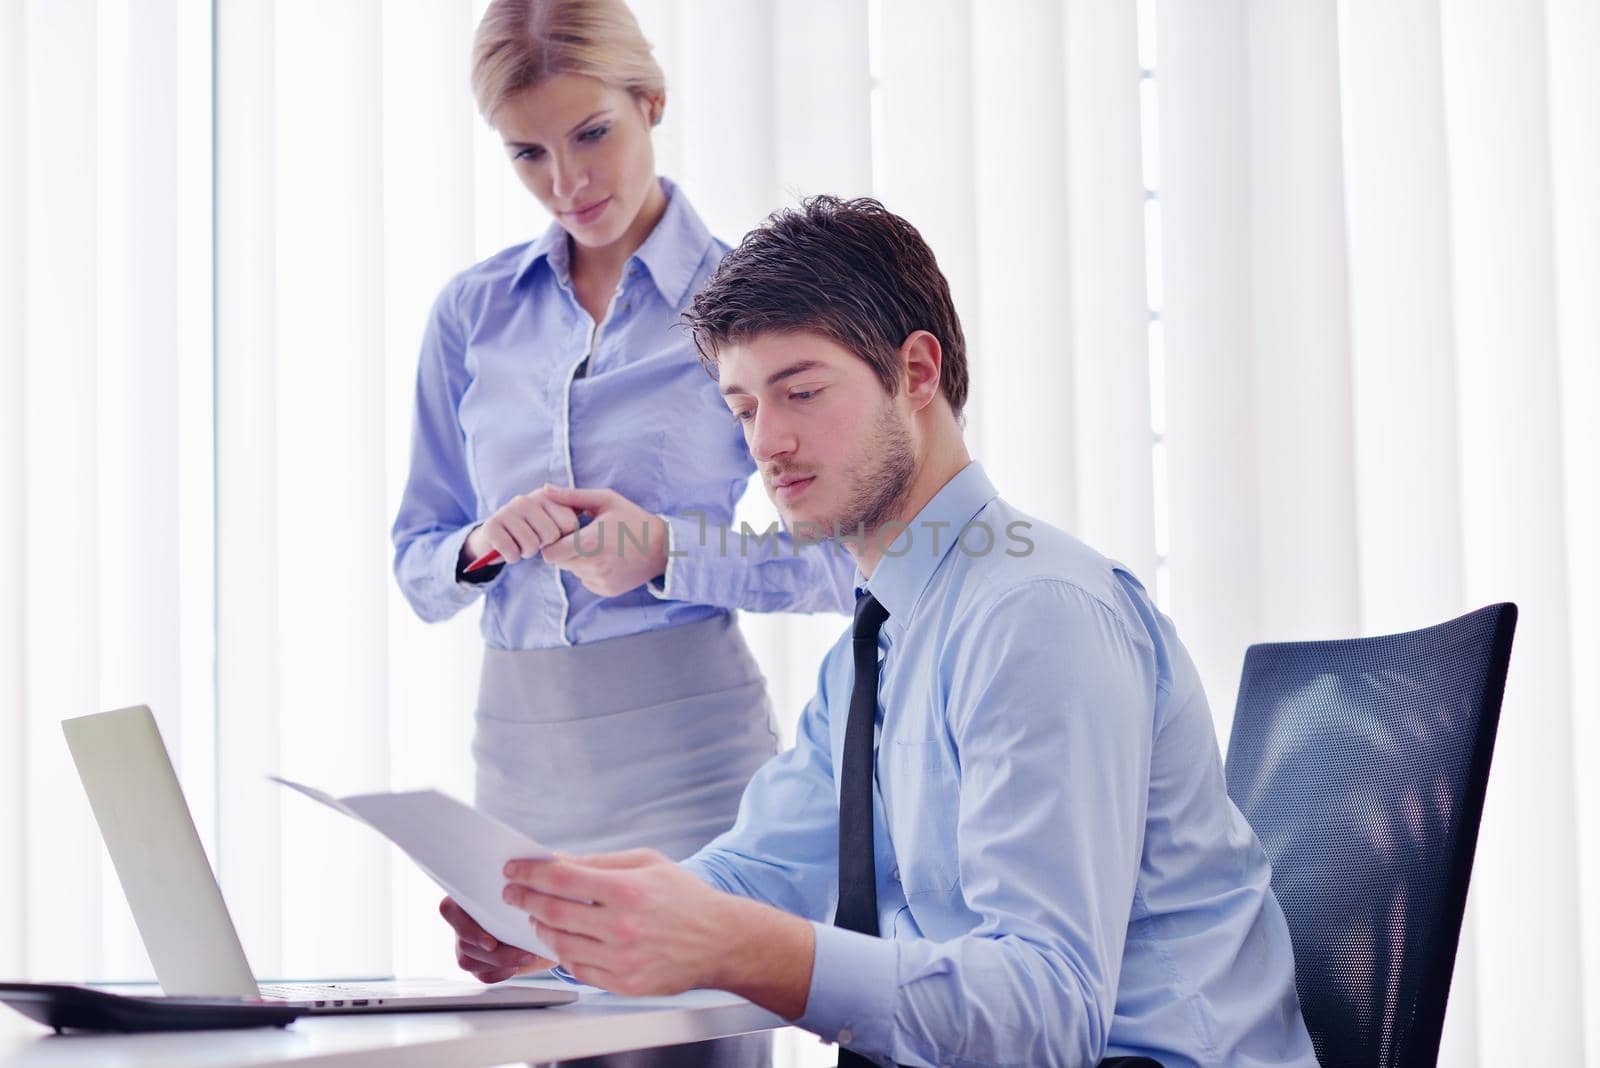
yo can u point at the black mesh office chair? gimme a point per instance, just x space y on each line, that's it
1362 765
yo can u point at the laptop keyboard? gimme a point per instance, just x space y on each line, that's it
325 991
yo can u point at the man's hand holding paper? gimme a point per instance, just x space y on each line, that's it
464 851
482 954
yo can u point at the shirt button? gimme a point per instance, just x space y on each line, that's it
895 875
846 1036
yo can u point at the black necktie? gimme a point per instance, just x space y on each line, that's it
858 879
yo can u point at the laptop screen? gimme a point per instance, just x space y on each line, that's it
160 861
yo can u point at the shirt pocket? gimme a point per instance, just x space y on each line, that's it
924 808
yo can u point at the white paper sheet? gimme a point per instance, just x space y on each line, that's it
458 847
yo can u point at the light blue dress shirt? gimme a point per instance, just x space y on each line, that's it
501 409
1061 876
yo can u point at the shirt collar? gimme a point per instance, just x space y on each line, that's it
551 243
899 580
675 248
671 253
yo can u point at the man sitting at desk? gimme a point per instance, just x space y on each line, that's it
1006 791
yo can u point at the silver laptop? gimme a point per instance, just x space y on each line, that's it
178 905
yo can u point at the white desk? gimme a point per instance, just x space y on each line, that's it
597 1023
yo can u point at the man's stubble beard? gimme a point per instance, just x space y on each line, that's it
882 485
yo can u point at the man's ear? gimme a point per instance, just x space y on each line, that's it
923 358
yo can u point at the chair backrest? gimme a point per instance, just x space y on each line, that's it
1361 765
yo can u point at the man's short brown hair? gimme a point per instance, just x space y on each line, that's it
849 270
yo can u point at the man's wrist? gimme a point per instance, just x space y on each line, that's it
768 958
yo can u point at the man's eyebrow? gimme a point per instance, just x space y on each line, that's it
775 377
575 129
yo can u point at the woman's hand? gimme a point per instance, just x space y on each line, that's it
486 957
623 548
522 527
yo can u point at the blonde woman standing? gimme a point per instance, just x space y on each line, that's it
564 422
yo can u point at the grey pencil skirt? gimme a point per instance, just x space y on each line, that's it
644 740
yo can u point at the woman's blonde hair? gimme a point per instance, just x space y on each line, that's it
520 43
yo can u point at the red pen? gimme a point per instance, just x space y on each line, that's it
493 555
490 557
